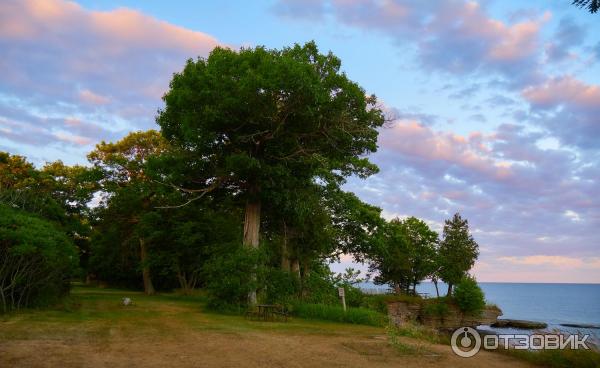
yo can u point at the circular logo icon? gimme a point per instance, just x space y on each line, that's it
465 342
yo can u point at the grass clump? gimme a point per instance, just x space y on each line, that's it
559 358
394 334
359 316
419 332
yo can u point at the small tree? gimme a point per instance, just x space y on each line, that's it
127 187
422 247
391 261
406 256
458 251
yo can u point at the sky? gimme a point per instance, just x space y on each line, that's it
495 105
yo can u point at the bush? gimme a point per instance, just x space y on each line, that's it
469 297
37 260
281 287
359 316
354 296
230 276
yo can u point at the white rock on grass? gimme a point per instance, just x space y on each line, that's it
127 301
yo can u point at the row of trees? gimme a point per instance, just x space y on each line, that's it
412 251
240 190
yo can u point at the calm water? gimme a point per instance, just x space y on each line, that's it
550 303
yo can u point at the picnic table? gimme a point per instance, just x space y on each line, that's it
267 312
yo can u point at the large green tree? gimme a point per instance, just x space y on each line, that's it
458 251
248 119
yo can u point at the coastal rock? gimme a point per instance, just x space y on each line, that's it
403 312
520 324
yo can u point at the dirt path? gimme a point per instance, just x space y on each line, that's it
254 349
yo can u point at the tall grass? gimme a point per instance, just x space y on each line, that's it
359 316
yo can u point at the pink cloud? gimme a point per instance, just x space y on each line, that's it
107 68
452 35
75 139
517 41
28 19
557 261
414 139
90 97
560 90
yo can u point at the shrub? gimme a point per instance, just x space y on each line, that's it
281 287
360 316
468 296
229 278
37 260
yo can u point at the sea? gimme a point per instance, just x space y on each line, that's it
554 304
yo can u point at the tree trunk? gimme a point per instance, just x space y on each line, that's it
435 283
285 257
295 267
449 289
305 274
252 224
252 230
148 287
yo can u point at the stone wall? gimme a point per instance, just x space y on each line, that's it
401 312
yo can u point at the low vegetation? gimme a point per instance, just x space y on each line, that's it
558 358
360 316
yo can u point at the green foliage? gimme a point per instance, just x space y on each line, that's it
274 129
228 279
591 5
260 114
406 255
281 287
335 313
320 286
437 307
565 358
458 251
415 331
36 260
468 296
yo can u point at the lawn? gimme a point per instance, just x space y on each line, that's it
93 329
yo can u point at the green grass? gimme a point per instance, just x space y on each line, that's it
402 348
359 316
94 313
419 332
558 358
